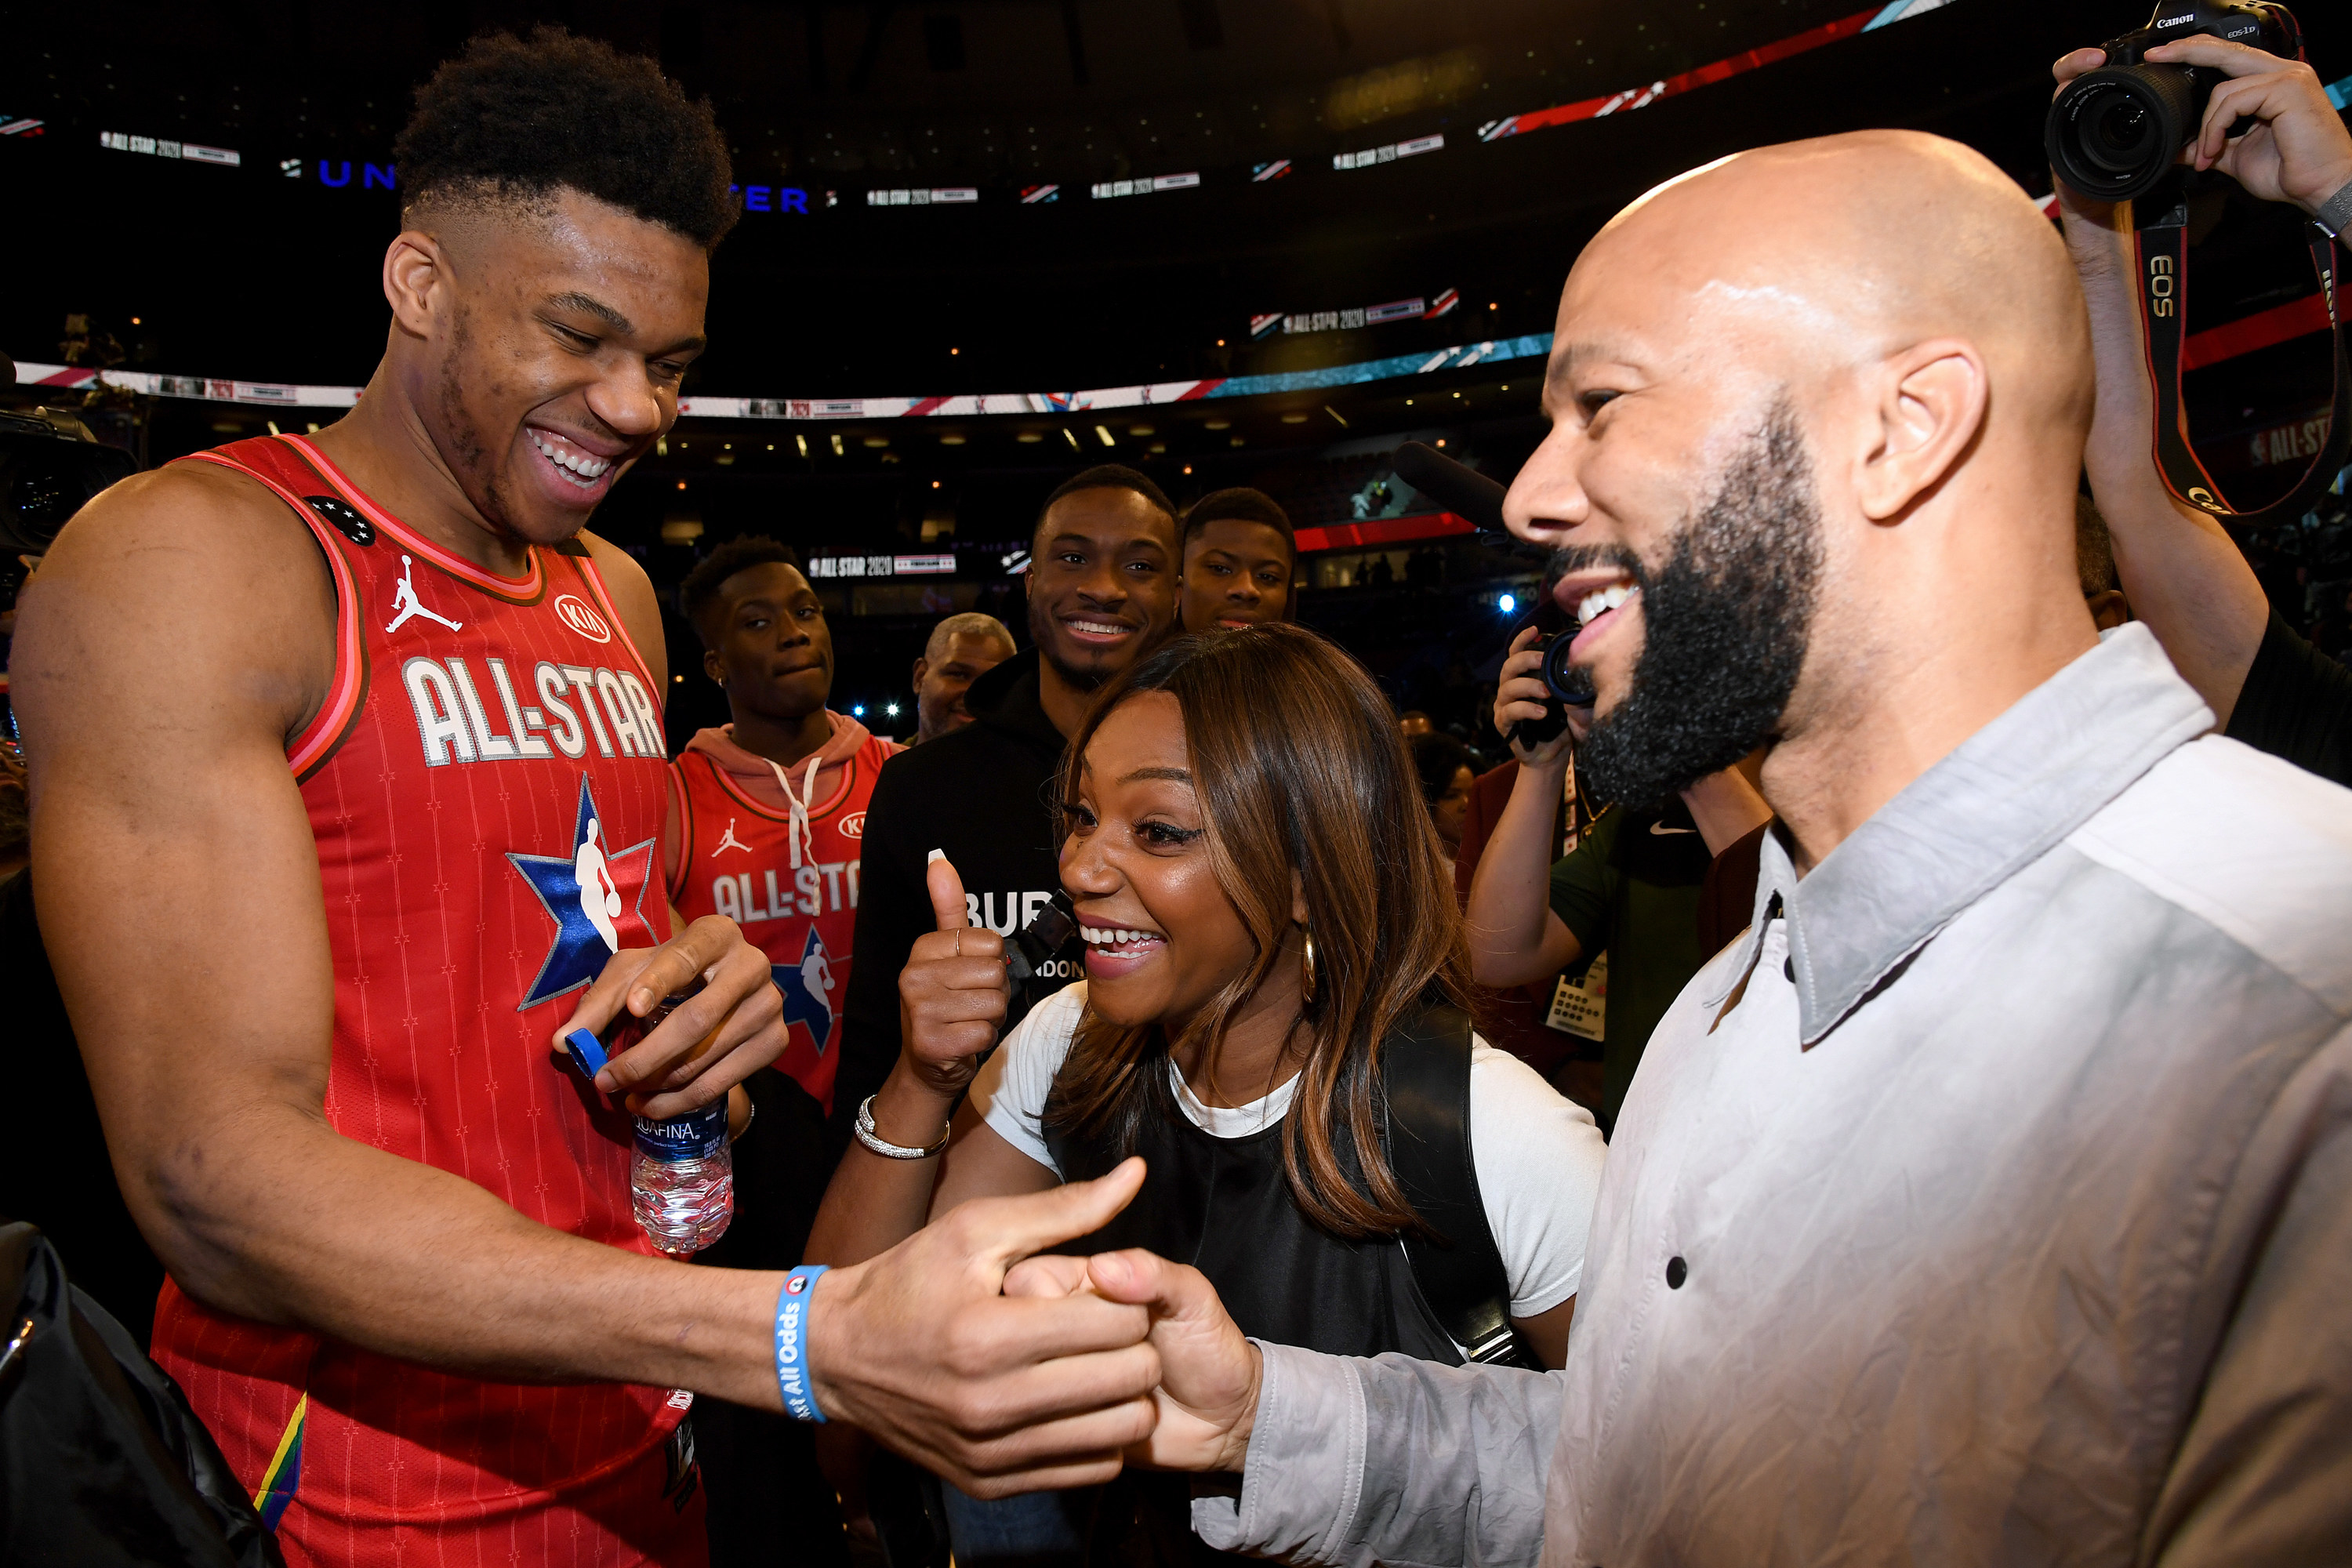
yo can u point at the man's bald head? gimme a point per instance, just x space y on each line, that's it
962 650
1820 409
1853 245
983 631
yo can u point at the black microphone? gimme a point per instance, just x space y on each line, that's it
1469 493
1464 489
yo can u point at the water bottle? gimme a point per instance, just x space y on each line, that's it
682 1182
682 1179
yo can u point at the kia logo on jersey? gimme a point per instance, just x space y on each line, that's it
851 826
578 614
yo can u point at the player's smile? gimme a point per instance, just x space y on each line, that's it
574 471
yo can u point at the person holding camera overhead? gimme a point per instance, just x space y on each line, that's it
1273 1017
2185 576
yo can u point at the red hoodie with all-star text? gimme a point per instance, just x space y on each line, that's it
775 849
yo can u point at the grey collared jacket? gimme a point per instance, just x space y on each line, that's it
1989 1202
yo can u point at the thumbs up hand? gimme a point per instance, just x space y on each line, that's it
953 994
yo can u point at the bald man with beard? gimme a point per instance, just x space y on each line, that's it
1989 1200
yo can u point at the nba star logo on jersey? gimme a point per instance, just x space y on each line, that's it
595 897
406 606
807 990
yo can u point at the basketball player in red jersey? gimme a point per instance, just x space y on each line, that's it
347 783
768 810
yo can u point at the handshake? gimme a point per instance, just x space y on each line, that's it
1004 1370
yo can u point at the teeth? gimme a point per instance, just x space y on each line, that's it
1600 601
583 469
1103 628
1107 936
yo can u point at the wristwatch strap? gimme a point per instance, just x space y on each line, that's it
2334 213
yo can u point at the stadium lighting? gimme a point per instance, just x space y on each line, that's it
1507 603
892 711
857 711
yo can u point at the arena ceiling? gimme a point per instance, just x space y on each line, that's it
263 270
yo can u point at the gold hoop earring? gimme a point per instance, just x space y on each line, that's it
1306 962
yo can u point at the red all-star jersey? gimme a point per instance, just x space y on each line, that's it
797 903
485 786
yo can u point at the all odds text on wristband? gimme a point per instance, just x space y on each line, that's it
791 1343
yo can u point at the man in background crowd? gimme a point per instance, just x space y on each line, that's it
767 811
961 649
2187 579
1102 587
764 823
1241 560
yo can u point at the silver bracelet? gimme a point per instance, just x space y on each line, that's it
889 1151
2334 213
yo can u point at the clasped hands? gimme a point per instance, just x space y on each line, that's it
1006 1372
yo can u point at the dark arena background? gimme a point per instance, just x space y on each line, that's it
987 242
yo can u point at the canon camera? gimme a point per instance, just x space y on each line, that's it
2113 133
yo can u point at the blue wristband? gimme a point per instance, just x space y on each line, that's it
791 1344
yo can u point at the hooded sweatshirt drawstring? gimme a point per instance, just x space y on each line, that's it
799 838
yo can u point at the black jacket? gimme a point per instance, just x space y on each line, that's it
985 795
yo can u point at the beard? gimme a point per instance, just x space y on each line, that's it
1725 622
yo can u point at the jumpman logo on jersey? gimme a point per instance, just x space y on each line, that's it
595 896
729 841
408 608
806 988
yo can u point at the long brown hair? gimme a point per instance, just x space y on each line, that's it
1299 767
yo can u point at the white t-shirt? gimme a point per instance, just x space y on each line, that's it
1538 1154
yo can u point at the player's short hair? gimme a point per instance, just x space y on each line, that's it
698 595
1242 504
1109 477
515 119
971 624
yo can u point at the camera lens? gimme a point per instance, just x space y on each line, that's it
2113 133
2118 132
1568 683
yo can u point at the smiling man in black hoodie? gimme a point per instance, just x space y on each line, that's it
1102 581
1102 585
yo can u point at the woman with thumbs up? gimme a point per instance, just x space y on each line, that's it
1274 1016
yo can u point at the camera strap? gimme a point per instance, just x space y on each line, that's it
2163 250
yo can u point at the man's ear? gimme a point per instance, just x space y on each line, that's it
417 275
712 667
1929 405
922 667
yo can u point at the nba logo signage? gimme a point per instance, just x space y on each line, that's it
582 618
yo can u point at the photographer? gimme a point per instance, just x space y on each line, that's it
1631 887
2184 575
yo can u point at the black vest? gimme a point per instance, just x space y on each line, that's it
1225 1207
